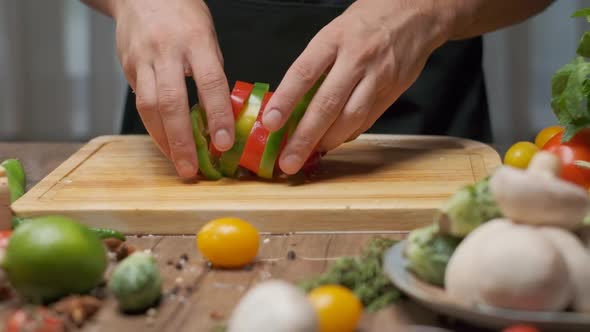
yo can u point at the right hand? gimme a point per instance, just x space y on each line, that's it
158 44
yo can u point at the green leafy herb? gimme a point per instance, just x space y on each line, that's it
363 275
570 88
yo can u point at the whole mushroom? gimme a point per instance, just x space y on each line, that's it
577 259
536 196
510 266
274 306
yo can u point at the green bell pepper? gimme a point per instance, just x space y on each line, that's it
230 159
16 178
275 139
199 124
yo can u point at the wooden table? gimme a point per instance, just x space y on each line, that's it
205 296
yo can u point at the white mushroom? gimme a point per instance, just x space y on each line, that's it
274 306
577 259
537 196
510 266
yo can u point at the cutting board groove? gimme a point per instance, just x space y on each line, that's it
375 183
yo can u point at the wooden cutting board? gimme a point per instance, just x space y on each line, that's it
375 183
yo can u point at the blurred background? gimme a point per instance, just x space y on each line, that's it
60 79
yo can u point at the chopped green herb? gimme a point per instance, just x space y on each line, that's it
363 275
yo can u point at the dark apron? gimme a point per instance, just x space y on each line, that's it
260 39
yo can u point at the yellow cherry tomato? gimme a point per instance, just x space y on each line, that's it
338 309
546 134
520 154
228 242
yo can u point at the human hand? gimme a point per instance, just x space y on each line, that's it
158 44
374 51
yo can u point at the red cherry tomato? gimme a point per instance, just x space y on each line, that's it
34 320
577 149
521 328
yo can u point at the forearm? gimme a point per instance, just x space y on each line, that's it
104 6
469 18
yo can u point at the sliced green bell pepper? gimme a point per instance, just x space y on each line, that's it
275 139
230 159
16 178
199 124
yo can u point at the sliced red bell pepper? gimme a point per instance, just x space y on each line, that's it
206 161
230 159
277 140
257 141
239 95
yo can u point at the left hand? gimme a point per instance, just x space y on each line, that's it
374 51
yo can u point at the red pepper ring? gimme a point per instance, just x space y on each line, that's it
239 95
256 143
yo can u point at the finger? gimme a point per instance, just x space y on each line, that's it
353 116
146 101
300 77
323 110
214 95
173 110
374 115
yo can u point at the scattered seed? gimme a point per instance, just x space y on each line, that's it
291 255
152 312
267 240
112 244
189 289
216 315
179 266
179 280
170 262
184 256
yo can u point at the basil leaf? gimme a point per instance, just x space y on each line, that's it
584 47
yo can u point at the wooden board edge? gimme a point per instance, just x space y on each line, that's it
308 221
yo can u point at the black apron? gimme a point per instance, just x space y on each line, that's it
260 39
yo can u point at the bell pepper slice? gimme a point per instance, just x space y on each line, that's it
239 96
256 142
206 162
230 159
278 139
16 178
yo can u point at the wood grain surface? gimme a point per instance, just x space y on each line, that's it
375 183
208 296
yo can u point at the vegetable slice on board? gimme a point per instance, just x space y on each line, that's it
239 95
256 142
277 140
230 159
199 124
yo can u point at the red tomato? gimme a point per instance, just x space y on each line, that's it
521 328
256 143
577 149
36 320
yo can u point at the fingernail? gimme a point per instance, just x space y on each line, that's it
222 139
272 119
185 168
291 164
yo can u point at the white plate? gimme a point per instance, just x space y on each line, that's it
436 299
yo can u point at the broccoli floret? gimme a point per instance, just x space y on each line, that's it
467 209
428 252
